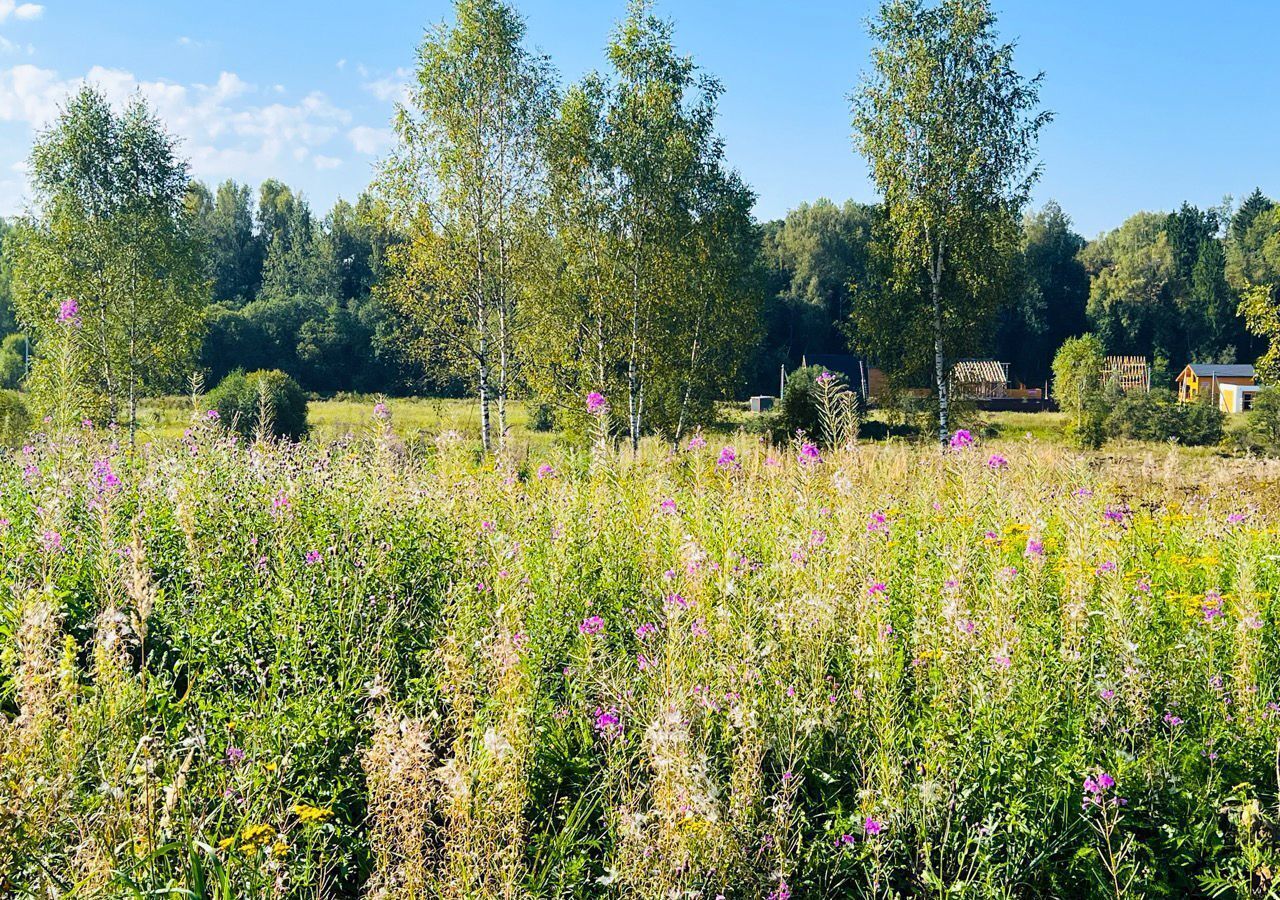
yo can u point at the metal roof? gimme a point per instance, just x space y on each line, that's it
1208 370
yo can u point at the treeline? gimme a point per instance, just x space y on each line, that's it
532 242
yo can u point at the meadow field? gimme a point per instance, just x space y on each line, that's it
389 667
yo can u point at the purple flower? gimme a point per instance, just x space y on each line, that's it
608 723
961 439
669 507
51 541
596 404
104 479
1107 694
1236 518
235 755
1116 514
1035 547
697 442
313 557
69 311
878 523
809 454
872 827
728 459
996 461
591 625
546 471
826 377
782 893
1171 720
876 588
213 415
381 412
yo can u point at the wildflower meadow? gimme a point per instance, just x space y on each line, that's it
403 669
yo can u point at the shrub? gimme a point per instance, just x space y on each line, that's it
15 419
1158 416
13 361
1261 432
1077 384
818 403
266 400
542 417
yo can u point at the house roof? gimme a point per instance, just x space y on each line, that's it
1208 370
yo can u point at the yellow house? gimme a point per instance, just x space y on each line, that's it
1199 377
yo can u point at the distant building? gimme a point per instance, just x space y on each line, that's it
980 379
1129 373
1232 386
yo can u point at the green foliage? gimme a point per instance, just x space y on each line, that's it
949 129
1158 416
1261 432
15 420
263 402
1047 300
13 361
1077 385
112 233
348 670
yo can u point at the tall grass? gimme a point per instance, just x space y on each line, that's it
372 668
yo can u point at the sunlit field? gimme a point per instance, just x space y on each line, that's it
391 668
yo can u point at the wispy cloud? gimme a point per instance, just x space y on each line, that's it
229 128
25 11
389 87
370 141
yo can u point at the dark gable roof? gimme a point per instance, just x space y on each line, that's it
1208 370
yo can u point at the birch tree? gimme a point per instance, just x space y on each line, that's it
463 185
949 129
109 253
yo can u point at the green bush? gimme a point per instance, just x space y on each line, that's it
1158 416
267 400
542 417
819 404
15 419
13 361
1261 431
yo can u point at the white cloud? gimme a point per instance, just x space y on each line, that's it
390 87
230 128
370 141
25 11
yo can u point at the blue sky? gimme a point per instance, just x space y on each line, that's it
1157 101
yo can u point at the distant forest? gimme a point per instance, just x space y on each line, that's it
295 291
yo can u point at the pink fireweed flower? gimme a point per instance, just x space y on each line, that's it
646 629
51 541
213 415
596 404
1118 514
1106 567
996 461
817 537
546 471
961 439
1251 623
1143 585
809 454
104 479
1000 661
825 378
846 840
872 826
69 312
1236 518
728 459
878 523
1107 694
772 461
1171 720
968 626
783 892
608 724
669 507
698 629
1034 548
381 412
876 589
675 601
591 625
313 557
1212 606
697 442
